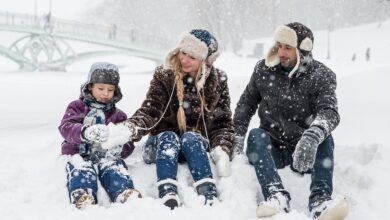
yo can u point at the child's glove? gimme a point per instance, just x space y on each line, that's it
97 133
222 160
119 134
306 149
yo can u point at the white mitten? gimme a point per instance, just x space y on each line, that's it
97 133
118 134
221 160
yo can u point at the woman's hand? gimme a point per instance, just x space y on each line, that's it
221 160
119 134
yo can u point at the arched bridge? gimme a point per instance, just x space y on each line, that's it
45 46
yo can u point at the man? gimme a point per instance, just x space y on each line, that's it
297 105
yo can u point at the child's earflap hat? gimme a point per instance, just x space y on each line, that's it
103 72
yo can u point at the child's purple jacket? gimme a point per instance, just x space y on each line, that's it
72 122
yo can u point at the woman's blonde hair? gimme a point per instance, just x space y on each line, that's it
181 117
177 70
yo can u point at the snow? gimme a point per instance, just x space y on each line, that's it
117 135
32 172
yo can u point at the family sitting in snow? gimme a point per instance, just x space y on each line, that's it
187 115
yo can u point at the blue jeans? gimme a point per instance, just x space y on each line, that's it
112 174
267 156
164 150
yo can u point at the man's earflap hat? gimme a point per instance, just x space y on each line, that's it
295 35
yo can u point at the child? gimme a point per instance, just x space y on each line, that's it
84 128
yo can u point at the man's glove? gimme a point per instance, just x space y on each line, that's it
119 134
97 133
238 145
306 149
221 160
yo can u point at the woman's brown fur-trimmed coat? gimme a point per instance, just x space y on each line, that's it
218 120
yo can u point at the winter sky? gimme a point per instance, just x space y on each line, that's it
69 9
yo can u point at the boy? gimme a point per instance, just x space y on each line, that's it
84 128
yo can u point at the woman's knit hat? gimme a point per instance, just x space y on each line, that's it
200 44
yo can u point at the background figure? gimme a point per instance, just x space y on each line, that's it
368 54
187 113
112 31
84 128
48 26
297 105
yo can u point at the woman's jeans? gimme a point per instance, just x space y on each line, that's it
266 156
164 150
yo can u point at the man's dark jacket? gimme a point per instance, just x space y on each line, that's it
287 106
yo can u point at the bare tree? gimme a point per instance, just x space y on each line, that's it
231 20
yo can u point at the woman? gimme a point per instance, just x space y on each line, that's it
187 113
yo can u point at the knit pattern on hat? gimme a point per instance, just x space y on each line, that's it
193 46
211 42
200 44
197 43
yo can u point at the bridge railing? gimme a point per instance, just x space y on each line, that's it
18 19
111 33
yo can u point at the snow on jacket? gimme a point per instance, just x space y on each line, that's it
72 122
218 121
287 106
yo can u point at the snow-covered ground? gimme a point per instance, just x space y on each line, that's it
32 172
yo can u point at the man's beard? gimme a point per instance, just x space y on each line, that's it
286 63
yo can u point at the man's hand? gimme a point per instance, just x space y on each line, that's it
306 149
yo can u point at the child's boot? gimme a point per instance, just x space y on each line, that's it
81 198
128 194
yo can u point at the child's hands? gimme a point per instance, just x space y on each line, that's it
119 134
97 133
